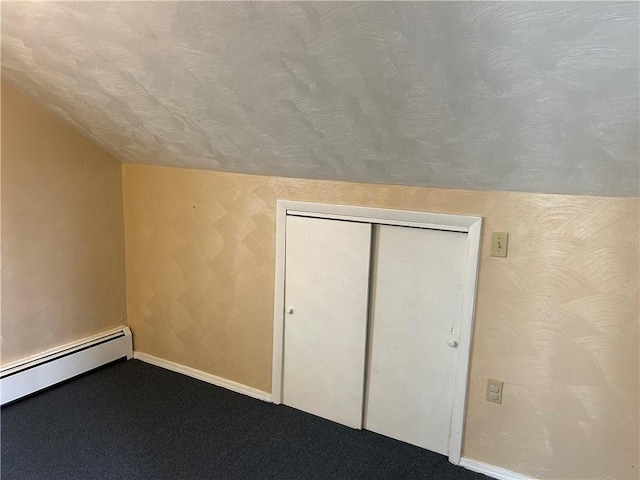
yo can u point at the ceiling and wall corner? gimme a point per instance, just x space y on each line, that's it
520 96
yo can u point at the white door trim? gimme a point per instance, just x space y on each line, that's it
437 221
466 336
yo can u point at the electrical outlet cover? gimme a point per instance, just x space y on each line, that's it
494 390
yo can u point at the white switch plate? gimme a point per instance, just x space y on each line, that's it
499 242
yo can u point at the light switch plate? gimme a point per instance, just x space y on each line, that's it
499 242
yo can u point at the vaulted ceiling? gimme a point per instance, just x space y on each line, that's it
536 97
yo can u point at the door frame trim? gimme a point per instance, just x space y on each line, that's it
471 225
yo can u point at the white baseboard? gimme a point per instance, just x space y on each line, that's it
491 470
204 376
49 368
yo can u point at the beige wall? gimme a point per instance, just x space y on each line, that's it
557 320
62 232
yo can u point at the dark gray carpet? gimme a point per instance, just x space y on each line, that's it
132 420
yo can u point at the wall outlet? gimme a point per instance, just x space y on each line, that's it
494 390
499 242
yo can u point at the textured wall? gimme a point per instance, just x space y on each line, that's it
62 232
520 96
557 320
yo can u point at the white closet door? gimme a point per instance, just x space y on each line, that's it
326 300
416 301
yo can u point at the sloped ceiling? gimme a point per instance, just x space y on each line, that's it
539 97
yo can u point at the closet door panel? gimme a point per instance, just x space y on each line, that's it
416 301
326 302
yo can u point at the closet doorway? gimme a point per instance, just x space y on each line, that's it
373 318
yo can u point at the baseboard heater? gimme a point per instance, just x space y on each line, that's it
35 373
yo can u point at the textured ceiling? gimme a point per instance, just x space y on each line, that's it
521 96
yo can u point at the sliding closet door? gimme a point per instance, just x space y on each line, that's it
326 300
416 301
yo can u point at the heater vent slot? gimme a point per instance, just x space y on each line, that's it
38 372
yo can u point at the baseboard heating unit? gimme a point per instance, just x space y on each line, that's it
44 370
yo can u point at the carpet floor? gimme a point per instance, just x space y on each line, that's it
132 420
